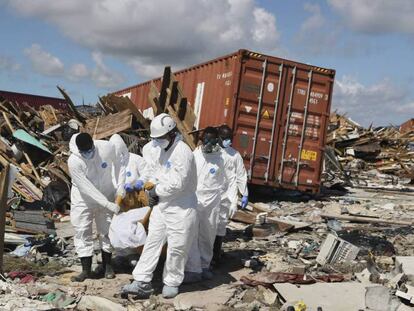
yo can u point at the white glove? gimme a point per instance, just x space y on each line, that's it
232 211
113 207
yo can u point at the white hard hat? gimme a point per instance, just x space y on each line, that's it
161 125
74 124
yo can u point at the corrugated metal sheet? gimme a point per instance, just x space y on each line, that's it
279 110
34 101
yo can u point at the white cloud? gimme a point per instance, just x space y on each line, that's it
8 64
159 32
407 109
43 62
47 64
78 72
382 102
314 36
377 16
315 20
102 76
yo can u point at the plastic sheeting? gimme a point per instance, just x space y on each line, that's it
126 231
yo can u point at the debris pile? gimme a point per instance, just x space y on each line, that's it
36 145
374 157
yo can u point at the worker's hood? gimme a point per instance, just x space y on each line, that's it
72 146
121 148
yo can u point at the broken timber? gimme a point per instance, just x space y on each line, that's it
4 185
171 99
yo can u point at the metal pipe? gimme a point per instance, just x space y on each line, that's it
274 122
256 130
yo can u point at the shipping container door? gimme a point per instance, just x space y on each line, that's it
305 111
258 100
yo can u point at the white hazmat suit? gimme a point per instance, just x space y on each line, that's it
212 179
128 166
173 218
92 195
236 171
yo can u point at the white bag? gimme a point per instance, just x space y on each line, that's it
126 231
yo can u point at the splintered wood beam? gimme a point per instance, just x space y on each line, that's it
4 185
165 86
189 139
153 99
72 106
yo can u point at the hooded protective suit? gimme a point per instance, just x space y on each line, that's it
92 195
236 171
173 218
128 166
212 179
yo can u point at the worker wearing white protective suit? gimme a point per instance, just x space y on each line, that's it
238 183
212 179
173 218
91 165
128 166
126 233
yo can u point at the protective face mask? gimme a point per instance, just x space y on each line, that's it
162 142
207 148
226 143
179 136
88 154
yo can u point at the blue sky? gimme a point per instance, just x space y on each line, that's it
96 46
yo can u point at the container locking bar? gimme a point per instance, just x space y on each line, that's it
256 130
274 123
302 136
285 137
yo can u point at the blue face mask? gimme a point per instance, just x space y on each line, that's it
226 143
88 154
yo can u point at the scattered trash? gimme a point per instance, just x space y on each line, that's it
335 250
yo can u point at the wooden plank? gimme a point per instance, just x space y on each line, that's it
33 191
120 103
166 86
189 139
4 184
244 217
189 117
184 110
153 99
96 128
109 125
36 173
368 220
71 105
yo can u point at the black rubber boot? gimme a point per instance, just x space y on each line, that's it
107 262
86 270
217 250
105 269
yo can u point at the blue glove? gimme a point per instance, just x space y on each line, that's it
139 184
244 201
128 187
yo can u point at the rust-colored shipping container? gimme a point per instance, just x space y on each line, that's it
34 101
407 126
279 110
